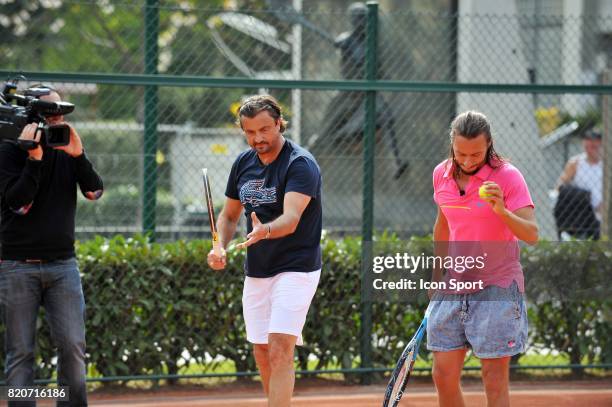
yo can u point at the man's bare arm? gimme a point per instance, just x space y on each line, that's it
569 172
228 220
294 205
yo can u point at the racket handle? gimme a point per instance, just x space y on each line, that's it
217 248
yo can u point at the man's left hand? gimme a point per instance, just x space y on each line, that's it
496 198
259 232
75 147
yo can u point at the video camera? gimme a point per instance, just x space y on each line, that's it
28 108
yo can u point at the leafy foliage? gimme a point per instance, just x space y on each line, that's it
570 304
156 308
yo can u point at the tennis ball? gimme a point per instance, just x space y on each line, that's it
482 192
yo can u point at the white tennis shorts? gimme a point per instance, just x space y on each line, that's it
277 304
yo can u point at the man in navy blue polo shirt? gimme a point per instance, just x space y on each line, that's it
278 183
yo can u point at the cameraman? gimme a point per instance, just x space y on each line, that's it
38 264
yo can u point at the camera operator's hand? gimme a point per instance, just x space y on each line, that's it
29 133
75 147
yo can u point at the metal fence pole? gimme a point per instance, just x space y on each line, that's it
368 192
606 229
149 187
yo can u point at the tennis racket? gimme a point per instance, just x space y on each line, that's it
401 373
211 213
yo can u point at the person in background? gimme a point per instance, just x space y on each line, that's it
579 206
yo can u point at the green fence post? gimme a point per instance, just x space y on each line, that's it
368 193
149 179
606 109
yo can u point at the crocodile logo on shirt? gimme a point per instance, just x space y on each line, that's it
254 193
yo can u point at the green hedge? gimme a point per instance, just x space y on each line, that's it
152 308
569 295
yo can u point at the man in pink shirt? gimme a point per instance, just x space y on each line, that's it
490 317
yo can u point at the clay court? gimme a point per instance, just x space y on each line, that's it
557 394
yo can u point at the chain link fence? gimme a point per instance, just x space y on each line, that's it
423 59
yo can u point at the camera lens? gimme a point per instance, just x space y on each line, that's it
57 135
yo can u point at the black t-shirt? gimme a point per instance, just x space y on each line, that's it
262 188
38 202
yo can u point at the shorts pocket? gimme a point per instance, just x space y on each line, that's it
517 310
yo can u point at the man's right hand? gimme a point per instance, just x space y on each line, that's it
217 262
29 133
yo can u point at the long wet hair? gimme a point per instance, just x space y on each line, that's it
470 125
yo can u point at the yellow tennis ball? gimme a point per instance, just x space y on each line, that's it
482 192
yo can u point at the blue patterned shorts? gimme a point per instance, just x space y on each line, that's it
493 322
